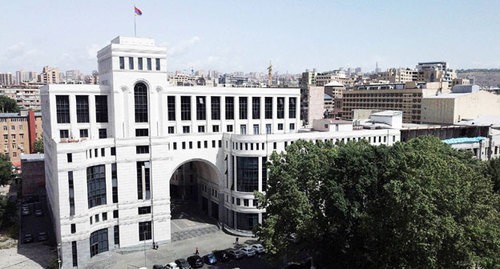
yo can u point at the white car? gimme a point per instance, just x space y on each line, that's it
171 265
249 251
258 248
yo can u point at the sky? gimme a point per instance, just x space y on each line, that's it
247 35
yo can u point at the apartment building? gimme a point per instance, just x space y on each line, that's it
27 97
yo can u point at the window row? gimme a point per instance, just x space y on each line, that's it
142 63
84 133
198 145
82 108
12 127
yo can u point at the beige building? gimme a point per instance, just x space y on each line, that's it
49 75
312 104
26 97
455 107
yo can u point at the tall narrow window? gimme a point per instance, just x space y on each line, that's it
158 64
215 103
247 173
101 108
116 232
96 185
82 108
264 173
141 102
148 62
144 230
201 108
71 187
171 108
185 107
122 63
229 108
62 107
255 107
281 107
139 63
74 253
143 180
130 63
114 183
292 108
243 108
269 107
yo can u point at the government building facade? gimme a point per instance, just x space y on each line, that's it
118 153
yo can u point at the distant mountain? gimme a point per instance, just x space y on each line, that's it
482 77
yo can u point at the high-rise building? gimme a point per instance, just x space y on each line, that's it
49 75
6 79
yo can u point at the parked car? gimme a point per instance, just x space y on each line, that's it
38 212
159 266
221 255
25 210
235 253
28 238
195 261
182 264
171 265
210 258
258 248
42 236
248 251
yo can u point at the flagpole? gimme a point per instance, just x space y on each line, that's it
135 26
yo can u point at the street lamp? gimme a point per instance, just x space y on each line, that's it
59 255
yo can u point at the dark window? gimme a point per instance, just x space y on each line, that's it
116 231
71 194
171 107
268 107
84 133
281 107
292 108
229 128
64 133
96 185
104 216
280 126
82 108
122 63
141 132
247 173
144 210
243 108
113 151
264 173
243 129
98 242
103 153
144 230
215 103
201 108
115 214
101 108
69 157
62 107
103 133
292 126
139 63
142 149
185 107
229 108
141 102
201 129
148 62
74 253
143 181
215 128
114 183
157 64
130 63
185 129
255 107
171 129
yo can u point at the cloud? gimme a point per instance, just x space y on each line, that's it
183 46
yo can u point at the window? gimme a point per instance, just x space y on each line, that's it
104 216
280 126
144 210
122 63
215 128
148 63
264 173
292 126
115 214
185 108
113 151
247 173
114 183
116 234
292 108
229 108
157 64
98 242
5 137
96 185
185 129
139 63
243 108
103 133
103 153
281 107
141 132
13 127
74 253
141 102
144 230
84 133
255 107
201 107
243 129
101 108
82 108
142 149
143 180
5 128
229 128
71 188
171 129
130 63
201 129
64 133
62 107
268 107
69 157
269 128
255 129
171 108
215 104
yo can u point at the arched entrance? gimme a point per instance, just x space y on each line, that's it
194 196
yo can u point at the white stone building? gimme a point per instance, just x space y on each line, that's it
117 153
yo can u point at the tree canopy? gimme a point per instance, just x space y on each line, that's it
5 170
38 145
418 204
8 105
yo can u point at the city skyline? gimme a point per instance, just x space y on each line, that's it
241 36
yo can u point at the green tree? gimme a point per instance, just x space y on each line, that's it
5 170
39 145
492 169
8 105
419 204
